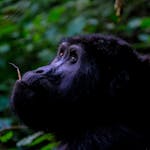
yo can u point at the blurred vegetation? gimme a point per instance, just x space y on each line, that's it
29 35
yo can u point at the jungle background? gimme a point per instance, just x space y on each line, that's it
29 34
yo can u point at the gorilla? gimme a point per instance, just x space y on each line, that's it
94 95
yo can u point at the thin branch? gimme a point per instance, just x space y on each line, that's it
12 128
18 71
118 7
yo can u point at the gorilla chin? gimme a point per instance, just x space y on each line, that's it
31 101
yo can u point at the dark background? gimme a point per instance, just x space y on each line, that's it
29 34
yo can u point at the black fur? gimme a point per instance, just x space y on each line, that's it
93 96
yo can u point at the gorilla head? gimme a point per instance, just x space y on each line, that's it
91 90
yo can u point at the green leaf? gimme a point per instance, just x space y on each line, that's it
3 103
5 137
36 37
144 37
76 26
145 23
134 23
139 22
4 48
45 137
46 55
2 64
5 122
28 140
50 146
7 29
56 13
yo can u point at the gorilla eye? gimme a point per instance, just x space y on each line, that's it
73 57
61 53
62 49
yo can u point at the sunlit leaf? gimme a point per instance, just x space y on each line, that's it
144 37
134 23
28 140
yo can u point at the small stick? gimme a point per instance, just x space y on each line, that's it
118 7
18 71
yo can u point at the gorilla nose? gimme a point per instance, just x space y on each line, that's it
39 71
43 70
50 73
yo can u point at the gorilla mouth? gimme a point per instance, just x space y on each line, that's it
26 101
23 93
30 90
34 82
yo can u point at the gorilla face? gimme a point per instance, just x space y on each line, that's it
89 76
55 91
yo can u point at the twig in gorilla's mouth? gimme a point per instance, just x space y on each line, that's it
18 71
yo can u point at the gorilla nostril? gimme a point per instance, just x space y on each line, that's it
39 71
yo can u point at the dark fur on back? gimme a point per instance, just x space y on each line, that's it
93 96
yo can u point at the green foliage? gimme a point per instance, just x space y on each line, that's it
36 140
29 35
3 103
5 137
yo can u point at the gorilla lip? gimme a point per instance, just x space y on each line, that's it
31 86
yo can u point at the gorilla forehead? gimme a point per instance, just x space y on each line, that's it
97 41
104 48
